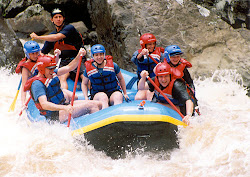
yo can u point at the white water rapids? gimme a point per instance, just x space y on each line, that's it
217 143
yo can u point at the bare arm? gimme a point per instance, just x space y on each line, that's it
189 111
189 107
143 85
143 52
85 81
73 64
25 76
46 105
122 82
49 37
57 52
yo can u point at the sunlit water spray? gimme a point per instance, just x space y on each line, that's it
216 144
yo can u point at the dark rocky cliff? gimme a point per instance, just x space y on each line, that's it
213 34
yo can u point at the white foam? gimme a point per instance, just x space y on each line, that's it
217 144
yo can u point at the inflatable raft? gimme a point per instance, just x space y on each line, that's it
125 127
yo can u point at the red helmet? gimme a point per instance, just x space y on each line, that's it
162 69
45 61
147 38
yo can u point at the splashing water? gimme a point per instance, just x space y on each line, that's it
216 144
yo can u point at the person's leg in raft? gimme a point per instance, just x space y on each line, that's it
81 107
141 95
101 96
63 80
68 95
149 95
116 98
144 95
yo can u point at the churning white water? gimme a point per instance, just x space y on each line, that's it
216 144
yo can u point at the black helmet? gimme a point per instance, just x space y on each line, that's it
57 11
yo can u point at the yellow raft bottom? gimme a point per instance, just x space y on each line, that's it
127 118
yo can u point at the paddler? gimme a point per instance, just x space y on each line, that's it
171 86
50 99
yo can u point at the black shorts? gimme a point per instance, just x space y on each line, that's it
54 116
107 93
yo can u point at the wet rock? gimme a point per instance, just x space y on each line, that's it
234 12
207 41
81 27
107 33
38 21
93 37
11 50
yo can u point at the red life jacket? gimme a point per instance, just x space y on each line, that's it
62 46
53 91
156 54
148 64
177 73
178 70
91 69
27 87
167 91
30 65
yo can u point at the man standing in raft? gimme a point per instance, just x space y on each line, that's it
144 62
103 73
171 86
49 98
66 38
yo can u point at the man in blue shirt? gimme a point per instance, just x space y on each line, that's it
66 38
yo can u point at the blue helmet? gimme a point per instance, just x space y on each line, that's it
166 55
31 47
98 48
171 51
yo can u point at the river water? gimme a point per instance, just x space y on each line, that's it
216 144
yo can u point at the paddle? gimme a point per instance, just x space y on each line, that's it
22 112
13 104
156 62
75 85
161 92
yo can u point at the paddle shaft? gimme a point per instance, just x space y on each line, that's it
27 102
156 62
75 85
12 106
19 86
168 100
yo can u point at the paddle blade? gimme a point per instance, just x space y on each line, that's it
13 104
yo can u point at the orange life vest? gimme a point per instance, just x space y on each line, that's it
30 65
